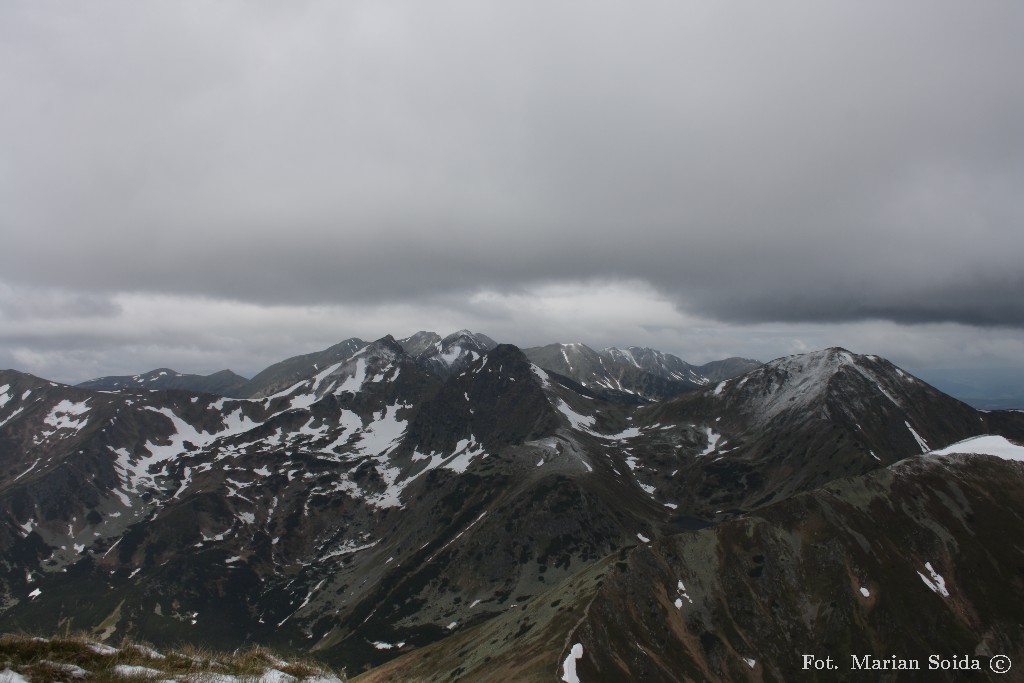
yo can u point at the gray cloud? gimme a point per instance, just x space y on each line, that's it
794 162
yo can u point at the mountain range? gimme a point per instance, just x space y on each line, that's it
633 375
457 509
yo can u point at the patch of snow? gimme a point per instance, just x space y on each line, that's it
920 442
569 665
28 526
865 592
321 376
642 538
102 650
275 676
8 676
63 415
581 422
355 382
11 416
35 594
451 355
720 387
671 506
301 401
347 548
465 451
627 433
681 590
381 645
289 390
130 671
989 444
936 583
31 467
750 662
452 625
713 438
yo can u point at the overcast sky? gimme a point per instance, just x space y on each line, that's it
224 184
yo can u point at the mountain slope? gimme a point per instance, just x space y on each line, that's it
286 373
798 422
223 383
615 375
817 573
378 503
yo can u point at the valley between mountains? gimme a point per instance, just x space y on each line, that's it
454 509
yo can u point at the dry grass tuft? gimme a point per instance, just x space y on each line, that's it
78 658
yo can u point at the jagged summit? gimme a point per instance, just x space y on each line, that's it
419 342
448 355
659 363
633 375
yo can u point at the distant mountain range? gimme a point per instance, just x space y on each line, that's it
454 509
633 375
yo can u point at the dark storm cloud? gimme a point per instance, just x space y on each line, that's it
792 162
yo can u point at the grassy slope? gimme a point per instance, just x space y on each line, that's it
47 660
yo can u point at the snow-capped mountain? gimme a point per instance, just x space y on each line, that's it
223 383
634 374
446 356
373 499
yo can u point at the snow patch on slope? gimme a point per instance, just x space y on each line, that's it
64 414
989 444
713 439
936 582
580 422
920 442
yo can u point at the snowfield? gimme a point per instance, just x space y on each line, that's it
999 446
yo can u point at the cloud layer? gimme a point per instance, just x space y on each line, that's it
797 163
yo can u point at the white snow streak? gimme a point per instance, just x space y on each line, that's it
999 446
713 439
936 583
920 442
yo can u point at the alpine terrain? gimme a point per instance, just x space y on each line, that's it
455 509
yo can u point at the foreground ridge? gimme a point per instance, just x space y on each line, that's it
80 658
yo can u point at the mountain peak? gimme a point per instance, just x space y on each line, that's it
390 343
418 343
